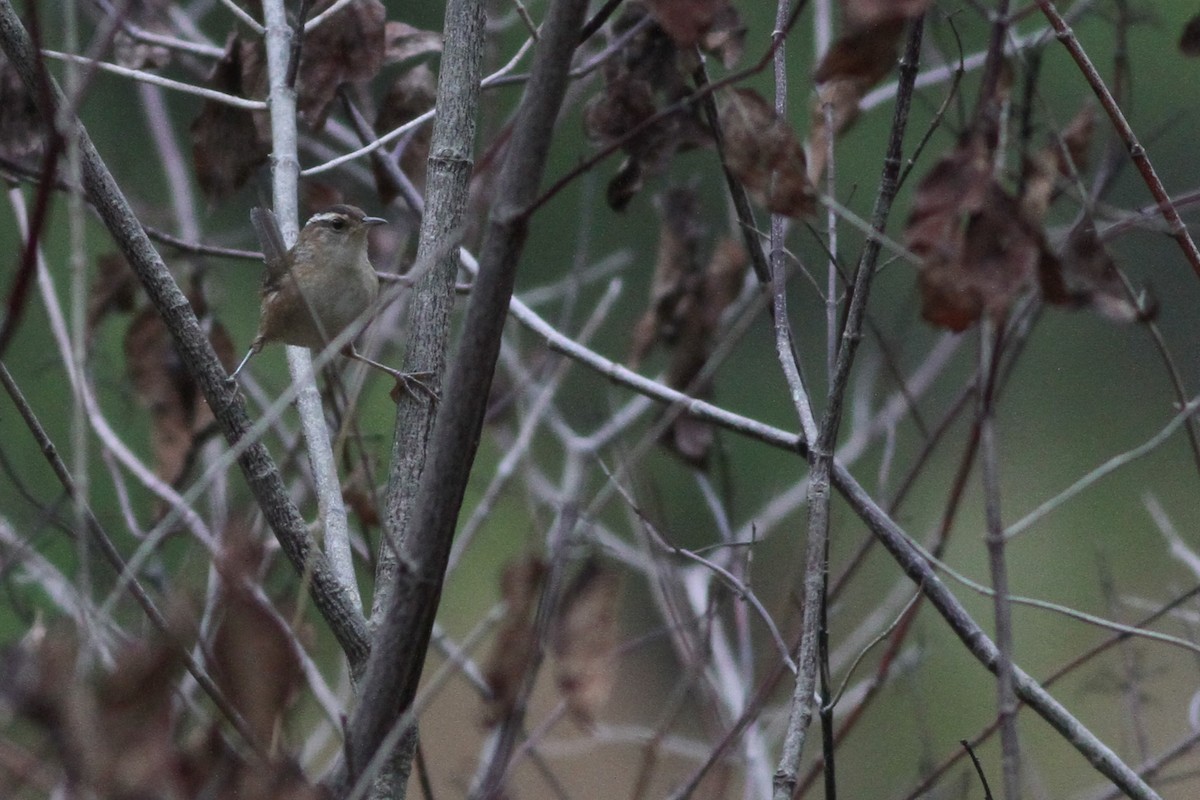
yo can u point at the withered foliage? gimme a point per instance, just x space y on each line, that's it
646 76
516 639
20 124
860 13
1077 141
403 42
178 411
978 253
762 151
256 663
348 47
981 247
119 732
686 303
411 94
858 60
862 56
114 289
706 23
134 53
1088 278
228 144
584 639
1189 40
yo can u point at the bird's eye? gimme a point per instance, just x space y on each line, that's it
338 224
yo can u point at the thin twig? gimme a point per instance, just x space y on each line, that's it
1178 230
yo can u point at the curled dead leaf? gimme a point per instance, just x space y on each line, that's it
1077 139
162 384
871 12
348 47
255 654
688 21
584 639
227 143
113 289
403 42
1088 278
410 95
762 151
134 52
20 124
643 77
857 61
1189 40
516 643
978 251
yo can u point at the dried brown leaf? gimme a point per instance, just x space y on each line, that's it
20 124
584 639
723 280
762 151
856 62
254 652
691 439
673 290
346 48
1077 138
978 252
403 42
641 78
113 289
626 102
227 145
113 733
362 506
687 21
410 95
725 37
516 638
131 52
161 385
1189 40
1040 178
865 55
871 12
178 411
1088 278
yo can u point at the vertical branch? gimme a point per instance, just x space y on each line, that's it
285 177
821 451
451 160
1002 609
394 668
73 82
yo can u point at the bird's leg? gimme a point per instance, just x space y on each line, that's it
255 347
407 380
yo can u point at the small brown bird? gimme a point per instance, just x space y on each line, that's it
324 284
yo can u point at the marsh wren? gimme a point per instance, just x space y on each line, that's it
321 286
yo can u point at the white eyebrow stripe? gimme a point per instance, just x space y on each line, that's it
326 216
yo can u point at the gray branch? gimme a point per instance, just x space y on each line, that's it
394 668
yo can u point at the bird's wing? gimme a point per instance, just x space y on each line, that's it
270 238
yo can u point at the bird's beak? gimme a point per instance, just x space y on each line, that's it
371 221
